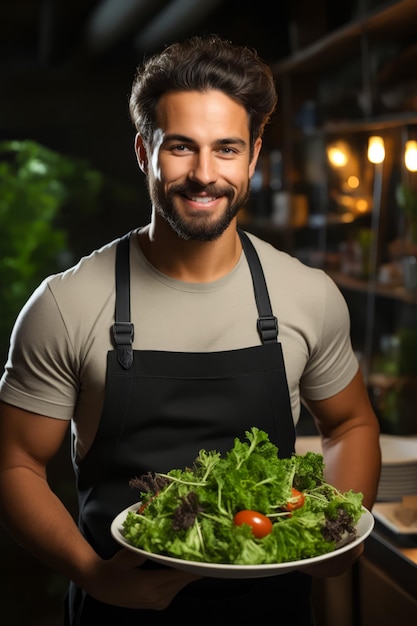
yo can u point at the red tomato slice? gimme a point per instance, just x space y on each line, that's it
260 524
296 501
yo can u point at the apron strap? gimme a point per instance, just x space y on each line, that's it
267 322
123 329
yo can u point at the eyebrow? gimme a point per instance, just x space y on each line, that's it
225 141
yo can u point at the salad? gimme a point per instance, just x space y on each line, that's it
247 507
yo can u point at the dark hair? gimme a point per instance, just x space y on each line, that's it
199 64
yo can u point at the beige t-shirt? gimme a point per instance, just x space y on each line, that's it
57 360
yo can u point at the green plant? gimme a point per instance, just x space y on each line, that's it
407 201
37 186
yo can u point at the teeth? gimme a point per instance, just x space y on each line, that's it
203 200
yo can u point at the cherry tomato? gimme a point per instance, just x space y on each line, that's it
260 524
142 508
143 505
296 501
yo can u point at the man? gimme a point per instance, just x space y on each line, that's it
178 350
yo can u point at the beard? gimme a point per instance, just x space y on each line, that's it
199 227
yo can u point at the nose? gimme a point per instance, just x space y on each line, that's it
203 169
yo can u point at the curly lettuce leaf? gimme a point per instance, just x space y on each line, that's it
192 517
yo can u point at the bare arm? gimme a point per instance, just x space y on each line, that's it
39 521
350 439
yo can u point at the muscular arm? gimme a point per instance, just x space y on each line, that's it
39 521
350 441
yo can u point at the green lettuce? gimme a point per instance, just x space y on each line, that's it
189 513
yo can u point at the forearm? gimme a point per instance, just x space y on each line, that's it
350 440
352 461
37 519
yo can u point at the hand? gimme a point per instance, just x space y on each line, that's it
335 566
121 582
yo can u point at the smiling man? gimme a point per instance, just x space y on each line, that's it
188 332
201 162
198 166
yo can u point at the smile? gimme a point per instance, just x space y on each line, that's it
204 199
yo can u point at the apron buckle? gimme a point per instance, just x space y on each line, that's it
123 333
268 328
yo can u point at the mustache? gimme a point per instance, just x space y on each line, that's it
191 189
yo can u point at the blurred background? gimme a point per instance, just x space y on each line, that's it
69 181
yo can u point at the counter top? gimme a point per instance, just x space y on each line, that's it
394 554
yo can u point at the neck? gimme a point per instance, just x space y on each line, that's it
189 260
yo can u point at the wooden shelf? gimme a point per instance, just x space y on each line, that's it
394 120
382 24
386 291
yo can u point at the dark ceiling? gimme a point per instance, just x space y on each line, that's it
59 33
66 66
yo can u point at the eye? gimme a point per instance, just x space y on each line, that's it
180 148
227 152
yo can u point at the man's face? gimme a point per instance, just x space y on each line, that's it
199 165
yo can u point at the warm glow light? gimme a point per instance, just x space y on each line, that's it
336 156
376 150
410 156
362 206
353 182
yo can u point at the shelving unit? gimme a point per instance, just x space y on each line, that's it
396 292
346 85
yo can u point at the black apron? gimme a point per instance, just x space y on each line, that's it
160 409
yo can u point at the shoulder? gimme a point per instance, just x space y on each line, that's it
302 294
90 280
69 303
278 264
94 265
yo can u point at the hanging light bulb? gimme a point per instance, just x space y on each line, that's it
336 156
376 150
410 156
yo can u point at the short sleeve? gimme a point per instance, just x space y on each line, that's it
41 373
332 363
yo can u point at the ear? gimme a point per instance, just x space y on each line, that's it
141 154
256 150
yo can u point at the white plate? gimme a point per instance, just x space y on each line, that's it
385 513
390 483
406 472
217 570
394 495
400 469
398 484
398 450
